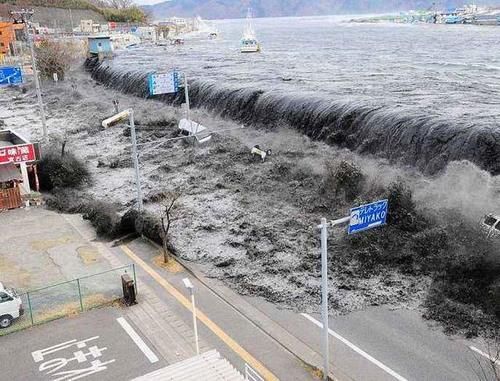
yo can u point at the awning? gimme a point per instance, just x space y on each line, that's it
9 172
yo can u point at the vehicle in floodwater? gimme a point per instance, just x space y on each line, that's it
491 225
249 42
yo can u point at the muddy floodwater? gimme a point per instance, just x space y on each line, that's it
432 90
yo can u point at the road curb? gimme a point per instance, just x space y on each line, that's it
280 335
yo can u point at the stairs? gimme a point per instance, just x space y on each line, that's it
209 366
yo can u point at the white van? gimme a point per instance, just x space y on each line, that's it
11 306
491 224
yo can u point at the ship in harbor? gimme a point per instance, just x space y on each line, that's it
468 14
249 42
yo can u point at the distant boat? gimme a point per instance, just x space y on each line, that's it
249 42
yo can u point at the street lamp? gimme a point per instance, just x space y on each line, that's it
129 113
190 287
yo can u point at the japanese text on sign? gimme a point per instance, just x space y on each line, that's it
164 83
17 154
368 216
83 360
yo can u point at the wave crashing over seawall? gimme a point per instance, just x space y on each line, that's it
424 142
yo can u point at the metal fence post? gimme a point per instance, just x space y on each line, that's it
29 306
135 278
80 294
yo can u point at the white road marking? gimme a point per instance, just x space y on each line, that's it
357 349
137 340
495 361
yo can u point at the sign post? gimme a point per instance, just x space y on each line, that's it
168 83
324 296
361 218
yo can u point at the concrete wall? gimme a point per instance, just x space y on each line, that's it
56 17
61 18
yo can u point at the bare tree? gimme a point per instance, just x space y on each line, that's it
166 219
57 57
120 4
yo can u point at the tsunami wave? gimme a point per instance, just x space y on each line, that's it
425 142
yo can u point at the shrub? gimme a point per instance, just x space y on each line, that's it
131 14
56 171
103 216
402 211
343 178
145 224
57 57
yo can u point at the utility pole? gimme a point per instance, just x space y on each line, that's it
186 94
24 17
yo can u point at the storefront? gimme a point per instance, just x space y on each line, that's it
18 169
10 192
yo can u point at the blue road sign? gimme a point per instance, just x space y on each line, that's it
368 216
164 83
10 75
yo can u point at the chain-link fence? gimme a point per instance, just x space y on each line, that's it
70 297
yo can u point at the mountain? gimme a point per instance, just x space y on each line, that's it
223 9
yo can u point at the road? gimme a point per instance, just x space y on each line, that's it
234 336
98 345
377 344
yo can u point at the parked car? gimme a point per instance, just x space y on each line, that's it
491 224
11 306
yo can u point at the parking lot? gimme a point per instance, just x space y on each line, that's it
98 345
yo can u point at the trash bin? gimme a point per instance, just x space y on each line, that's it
128 287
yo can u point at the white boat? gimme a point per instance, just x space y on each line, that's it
249 42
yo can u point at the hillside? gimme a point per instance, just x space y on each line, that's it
53 13
218 9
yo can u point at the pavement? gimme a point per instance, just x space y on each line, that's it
93 345
38 248
164 315
375 344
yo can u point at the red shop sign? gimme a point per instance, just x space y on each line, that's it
17 154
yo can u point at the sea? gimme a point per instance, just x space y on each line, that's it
413 81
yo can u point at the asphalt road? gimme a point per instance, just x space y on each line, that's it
96 345
246 336
377 344
380 344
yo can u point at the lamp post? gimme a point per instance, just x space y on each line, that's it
129 113
190 287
